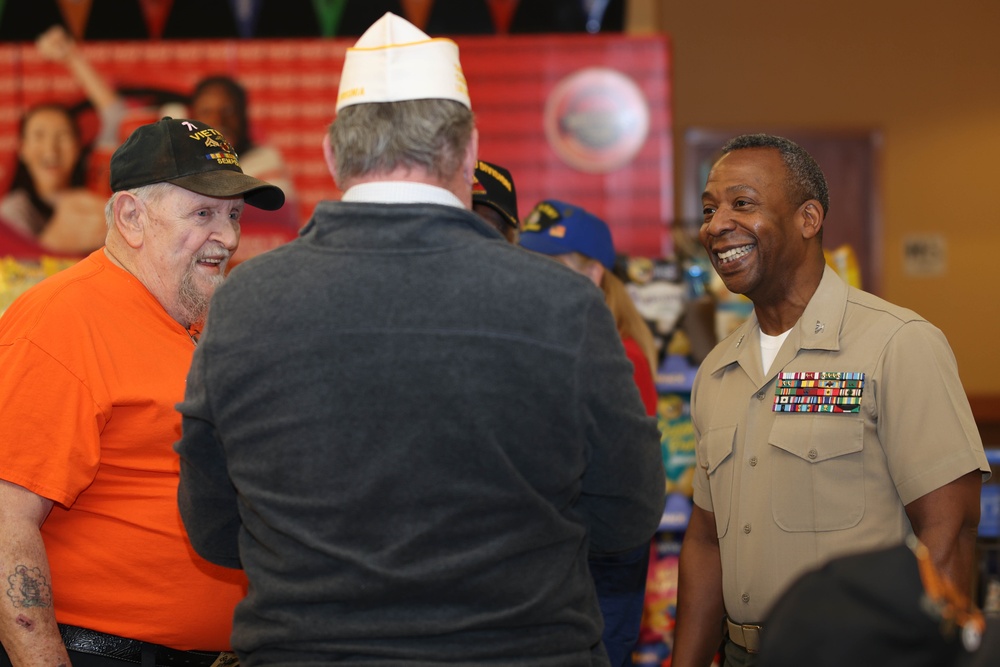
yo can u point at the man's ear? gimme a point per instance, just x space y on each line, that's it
812 214
129 218
471 157
330 158
460 182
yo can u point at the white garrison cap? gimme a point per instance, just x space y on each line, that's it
394 61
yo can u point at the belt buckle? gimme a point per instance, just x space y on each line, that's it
746 635
226 659
171 657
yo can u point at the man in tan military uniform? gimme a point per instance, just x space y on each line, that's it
830 422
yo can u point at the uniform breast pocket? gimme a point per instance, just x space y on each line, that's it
719 445
818 482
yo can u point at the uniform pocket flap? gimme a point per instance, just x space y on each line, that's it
818 438
719 444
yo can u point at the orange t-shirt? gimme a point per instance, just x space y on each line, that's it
93 367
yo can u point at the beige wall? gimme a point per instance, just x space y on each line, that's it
926 75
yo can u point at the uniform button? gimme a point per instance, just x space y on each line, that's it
746 528
746 598
753 461
760 395
813 454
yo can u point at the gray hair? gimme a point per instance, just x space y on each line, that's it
149 194
805 178
379 138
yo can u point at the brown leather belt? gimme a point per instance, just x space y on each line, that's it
746 635
135 651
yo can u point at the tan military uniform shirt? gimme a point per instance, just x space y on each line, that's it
791 490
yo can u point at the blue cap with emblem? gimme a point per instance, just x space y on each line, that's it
555 228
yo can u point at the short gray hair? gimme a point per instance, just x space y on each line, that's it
805 178
149 194
381 137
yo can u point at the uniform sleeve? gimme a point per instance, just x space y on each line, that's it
205 494
924 422
50 425
624 484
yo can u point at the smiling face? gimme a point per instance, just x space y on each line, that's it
216 106
756 237
49 149
186 245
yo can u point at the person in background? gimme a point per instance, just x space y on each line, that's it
831 422
494 199
582 242
386 507
222 102
48 201
95 564
217 100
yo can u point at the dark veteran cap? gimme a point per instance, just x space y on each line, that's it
191 155
494 187
888 607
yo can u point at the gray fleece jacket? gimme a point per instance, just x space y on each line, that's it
409 433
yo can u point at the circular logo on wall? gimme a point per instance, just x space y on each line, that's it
596 119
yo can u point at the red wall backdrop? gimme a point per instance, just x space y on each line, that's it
605 97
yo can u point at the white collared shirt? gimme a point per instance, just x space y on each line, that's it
401 192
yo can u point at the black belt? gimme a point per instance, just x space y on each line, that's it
138 652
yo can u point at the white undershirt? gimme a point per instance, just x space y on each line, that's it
769 346
401 192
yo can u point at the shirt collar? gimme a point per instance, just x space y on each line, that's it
820 324
817 329
401 192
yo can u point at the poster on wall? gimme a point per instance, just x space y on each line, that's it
577 117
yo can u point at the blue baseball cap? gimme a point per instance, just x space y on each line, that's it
555 228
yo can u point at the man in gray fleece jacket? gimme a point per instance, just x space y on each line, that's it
408 432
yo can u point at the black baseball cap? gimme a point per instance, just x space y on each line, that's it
494 187
872 608
191 155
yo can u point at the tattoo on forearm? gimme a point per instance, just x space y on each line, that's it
28 588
